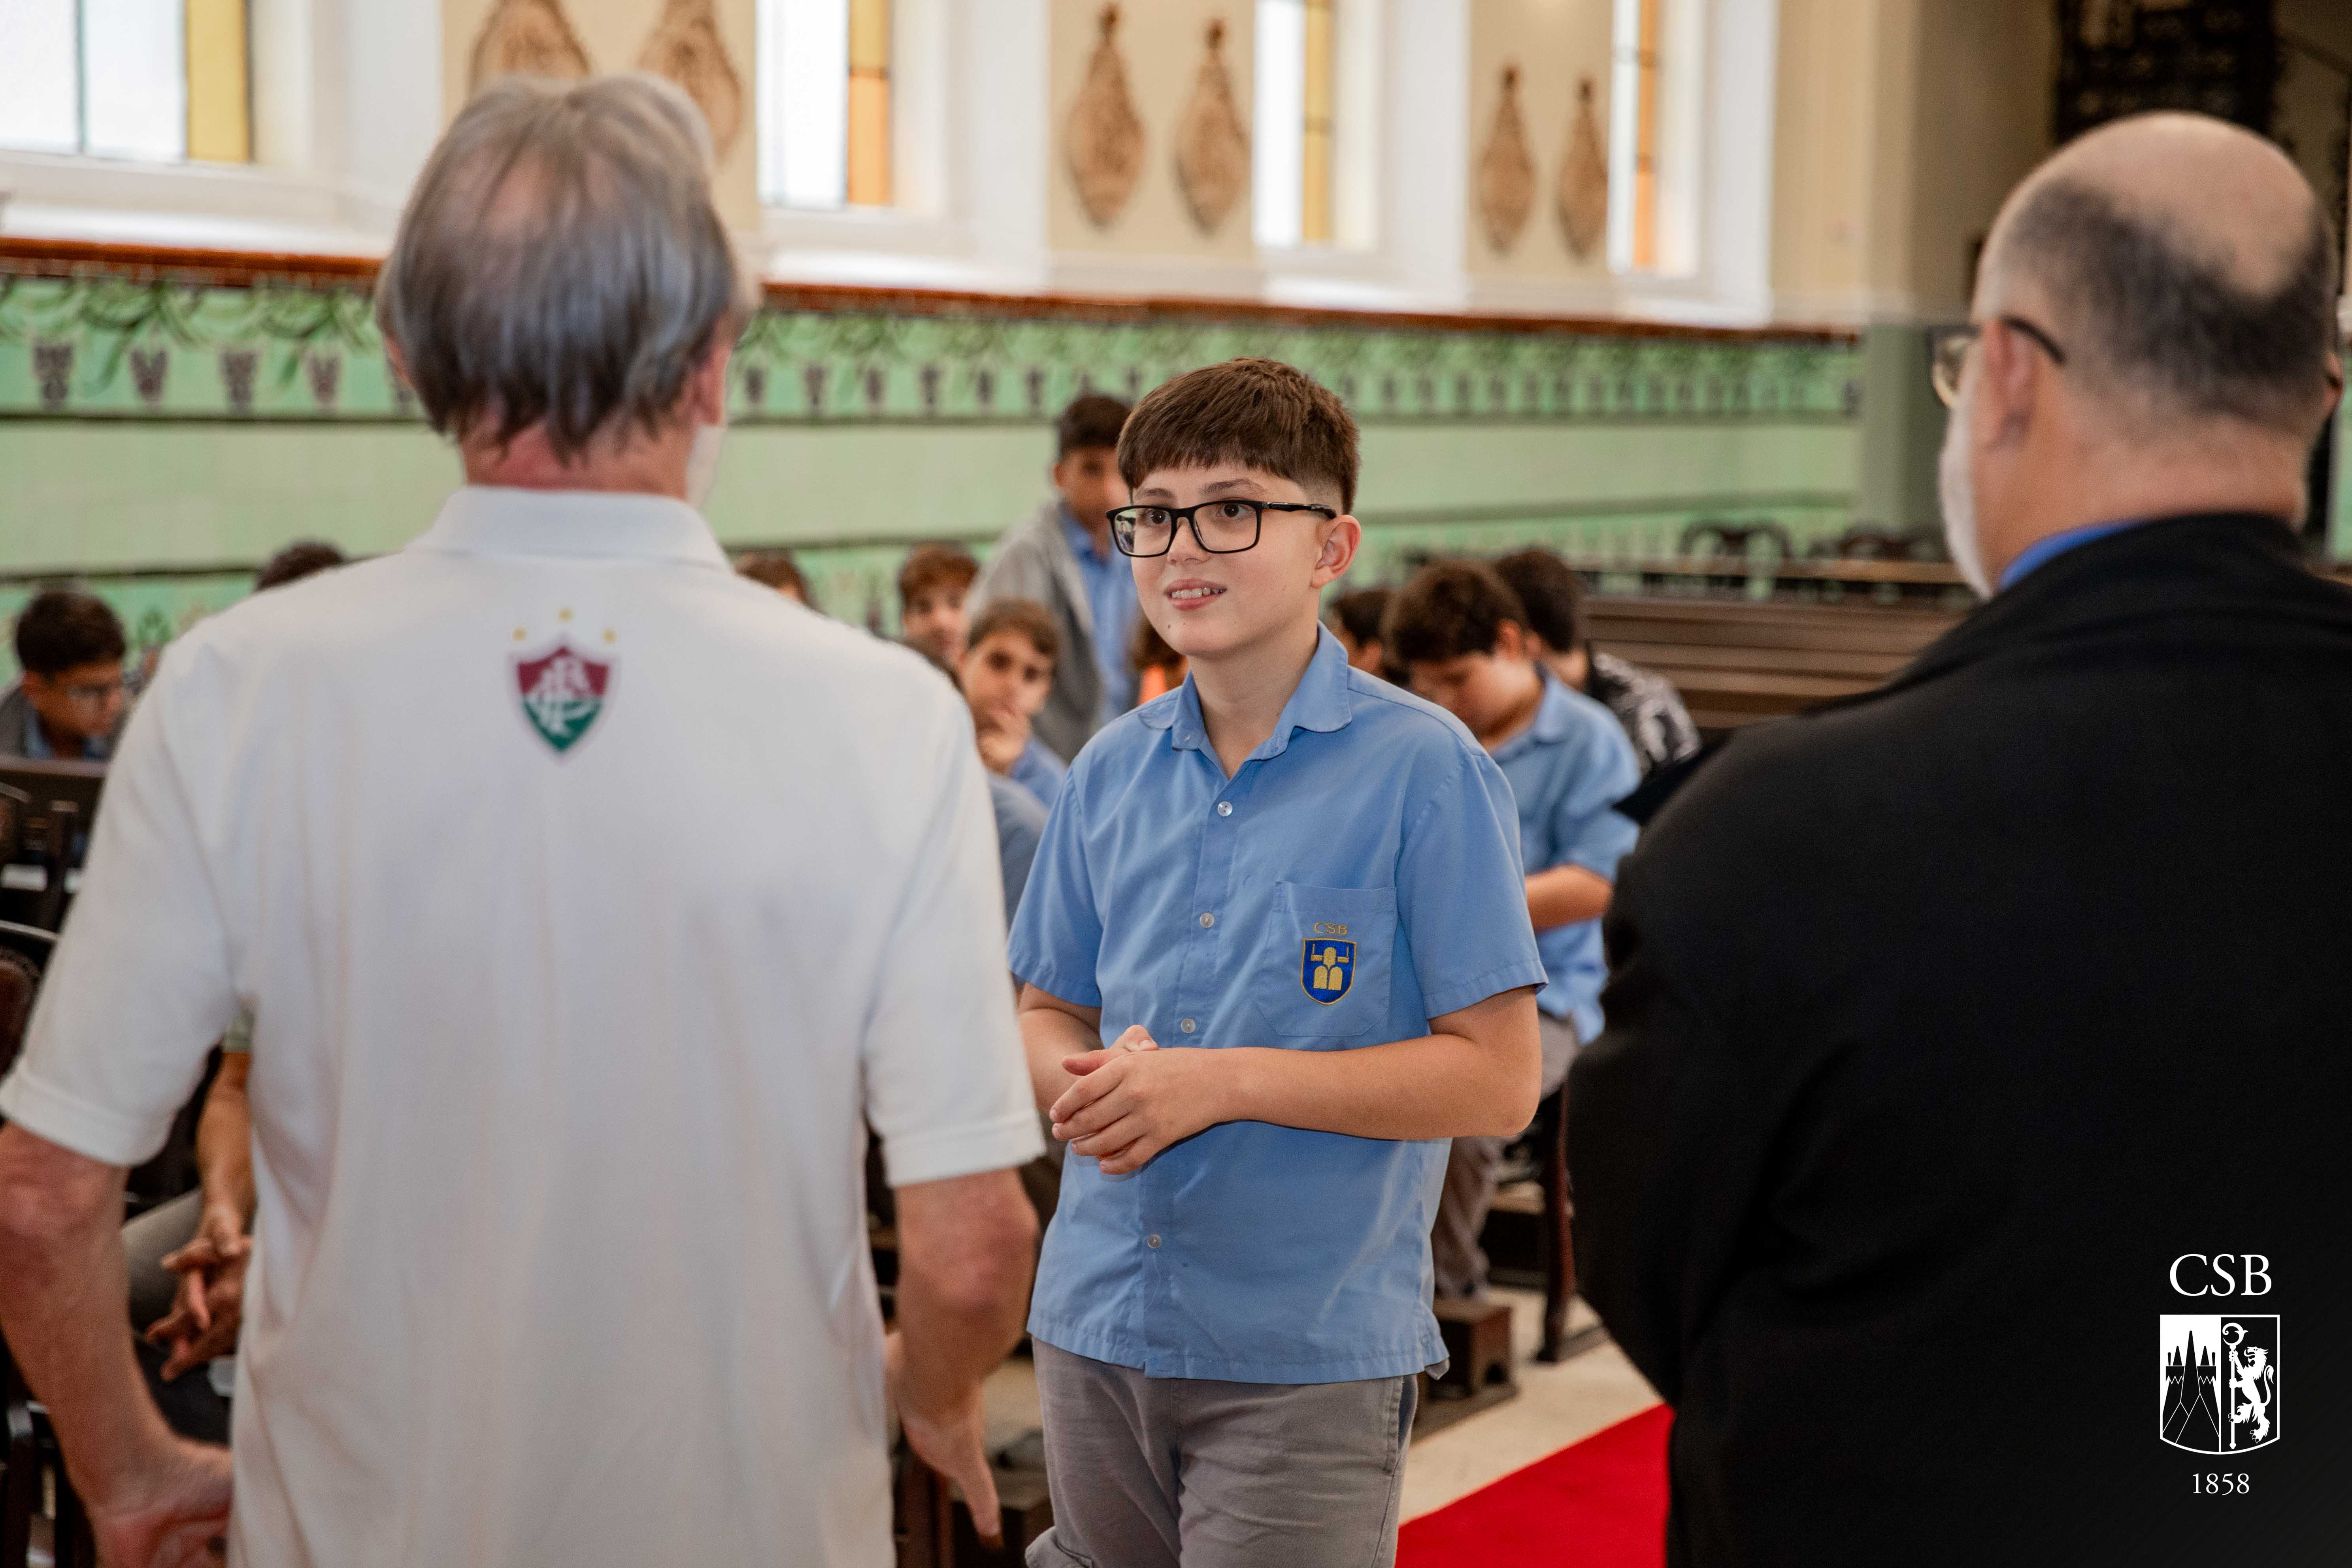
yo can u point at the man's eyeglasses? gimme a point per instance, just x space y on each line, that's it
1947 353
1223 527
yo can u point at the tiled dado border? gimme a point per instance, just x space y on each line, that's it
92 331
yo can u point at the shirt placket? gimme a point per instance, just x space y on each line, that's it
1204 980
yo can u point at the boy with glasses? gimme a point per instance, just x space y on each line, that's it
69 703
1274 952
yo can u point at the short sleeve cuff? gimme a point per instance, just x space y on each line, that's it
1069 984
1452 998
90 1130
968 1150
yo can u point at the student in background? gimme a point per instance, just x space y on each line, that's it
932 585
776 569
1007 673
1356 619
1462 636
1646 704
69 703
1063 559
298 560
1275 946
1159 668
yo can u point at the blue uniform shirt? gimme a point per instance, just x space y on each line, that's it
1040 772
1568 769
1357 876
1112 607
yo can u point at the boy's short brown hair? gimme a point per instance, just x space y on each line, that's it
1551 595
930 567
1091 422
1027 616
776 569
1256 412
1449 609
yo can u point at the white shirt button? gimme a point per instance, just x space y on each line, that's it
1208 919
1224 808
1187 1026
1151 1241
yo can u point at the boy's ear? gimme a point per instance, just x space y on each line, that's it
1340 542
1513 641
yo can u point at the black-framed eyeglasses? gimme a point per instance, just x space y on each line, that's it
1948 352
1224 527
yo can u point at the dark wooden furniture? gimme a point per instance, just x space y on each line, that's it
1735 661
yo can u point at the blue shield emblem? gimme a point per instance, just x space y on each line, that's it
1325 967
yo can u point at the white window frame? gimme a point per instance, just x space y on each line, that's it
347 103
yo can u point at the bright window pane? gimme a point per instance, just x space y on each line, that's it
37 76
1278 124
804 102
869 103
136 75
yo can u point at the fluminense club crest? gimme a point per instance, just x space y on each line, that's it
2220 1382
562 692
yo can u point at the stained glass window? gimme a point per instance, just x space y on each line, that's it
157 80
825 102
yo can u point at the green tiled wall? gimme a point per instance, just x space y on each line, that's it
159 439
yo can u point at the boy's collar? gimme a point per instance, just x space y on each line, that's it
1320 702
1551 723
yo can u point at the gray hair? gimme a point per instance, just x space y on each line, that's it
560 262
2166 325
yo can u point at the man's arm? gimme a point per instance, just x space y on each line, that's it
1564 895
153 1496
204 1319
964 1250
1476 1073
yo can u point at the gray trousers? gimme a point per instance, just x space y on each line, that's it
1472 1166
1159 1472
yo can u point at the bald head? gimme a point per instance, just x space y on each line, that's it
2186 267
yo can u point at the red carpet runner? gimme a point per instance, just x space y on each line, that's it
1601 1503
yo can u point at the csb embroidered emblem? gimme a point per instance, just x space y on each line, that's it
562 693
2220 1382
1326 968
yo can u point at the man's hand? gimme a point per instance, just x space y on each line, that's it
953 1441
205 1318
170 1512
1134 1100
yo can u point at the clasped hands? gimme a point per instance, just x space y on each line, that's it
1133 1099
204 1317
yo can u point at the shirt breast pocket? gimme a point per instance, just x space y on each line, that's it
1324 973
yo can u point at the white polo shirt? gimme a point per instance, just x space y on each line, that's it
585 895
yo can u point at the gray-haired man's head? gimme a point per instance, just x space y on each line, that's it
561 265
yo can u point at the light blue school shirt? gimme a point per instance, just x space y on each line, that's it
1369 833
1113 607
1568 769
1040 772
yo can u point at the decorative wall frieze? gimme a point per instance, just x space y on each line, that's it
148 343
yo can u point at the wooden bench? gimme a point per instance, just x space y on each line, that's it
1735 661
